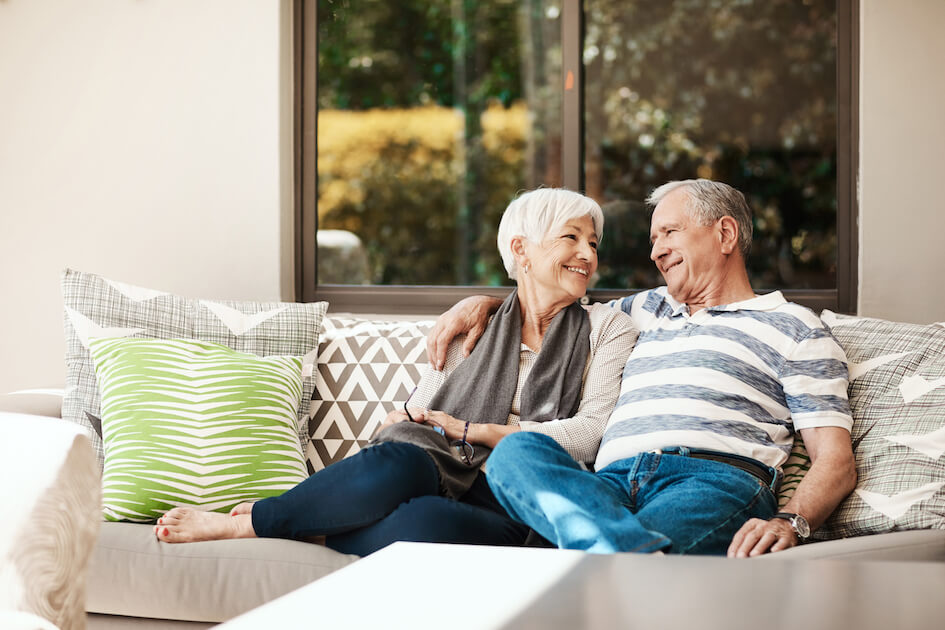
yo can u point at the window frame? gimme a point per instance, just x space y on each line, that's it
425 300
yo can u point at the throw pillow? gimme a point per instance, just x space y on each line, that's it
193 423
794 469
98 307
364 370
897 395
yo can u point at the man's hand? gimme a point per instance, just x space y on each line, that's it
832 476
758 536
469 316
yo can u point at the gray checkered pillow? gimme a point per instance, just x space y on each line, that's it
897 394
364 370
97 307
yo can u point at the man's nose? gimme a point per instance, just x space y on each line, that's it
657 251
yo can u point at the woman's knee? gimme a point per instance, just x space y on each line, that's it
398 457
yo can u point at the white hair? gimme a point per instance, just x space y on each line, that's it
536 213
709 201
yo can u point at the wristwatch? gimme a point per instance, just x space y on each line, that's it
798 523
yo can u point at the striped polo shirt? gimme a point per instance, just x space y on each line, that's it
738 378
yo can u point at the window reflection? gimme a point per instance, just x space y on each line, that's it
739 91
432 116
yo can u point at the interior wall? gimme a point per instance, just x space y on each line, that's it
902 143
149 142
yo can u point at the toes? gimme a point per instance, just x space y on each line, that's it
177 512
242 508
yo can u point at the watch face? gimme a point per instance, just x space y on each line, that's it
801 526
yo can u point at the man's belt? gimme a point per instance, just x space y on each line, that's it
767 475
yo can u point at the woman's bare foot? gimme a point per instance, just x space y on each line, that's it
242 508
183 524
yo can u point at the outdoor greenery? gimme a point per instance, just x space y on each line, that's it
434 114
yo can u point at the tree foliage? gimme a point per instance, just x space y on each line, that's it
435 113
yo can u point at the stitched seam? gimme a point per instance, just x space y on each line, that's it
748 506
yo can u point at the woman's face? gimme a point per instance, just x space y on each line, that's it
563 263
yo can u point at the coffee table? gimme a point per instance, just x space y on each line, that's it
418 585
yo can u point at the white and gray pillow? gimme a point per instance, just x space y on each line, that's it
897 395
98 307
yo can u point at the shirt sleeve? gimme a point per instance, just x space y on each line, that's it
815 381
432 379
612 339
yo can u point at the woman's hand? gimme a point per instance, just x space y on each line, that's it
452 427
399 415
455 429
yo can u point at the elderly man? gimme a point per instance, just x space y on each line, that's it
719 381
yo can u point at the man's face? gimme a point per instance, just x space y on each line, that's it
688 255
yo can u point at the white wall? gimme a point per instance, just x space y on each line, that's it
902 155
145 141
151 142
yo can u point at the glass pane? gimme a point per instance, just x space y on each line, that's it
432 115
738 91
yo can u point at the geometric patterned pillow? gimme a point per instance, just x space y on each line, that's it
97 307
364 369
897 395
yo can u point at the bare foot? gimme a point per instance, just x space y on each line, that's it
242 508
183 524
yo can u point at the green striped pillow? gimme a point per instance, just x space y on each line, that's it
193 423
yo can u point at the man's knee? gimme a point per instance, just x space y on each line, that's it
516 450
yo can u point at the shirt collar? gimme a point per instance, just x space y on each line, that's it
766 302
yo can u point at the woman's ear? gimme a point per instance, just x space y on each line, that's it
518 250
728 234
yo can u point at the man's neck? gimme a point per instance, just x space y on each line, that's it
735 287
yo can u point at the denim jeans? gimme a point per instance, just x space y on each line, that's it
646 503
382 494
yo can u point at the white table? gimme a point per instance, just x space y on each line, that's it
417 586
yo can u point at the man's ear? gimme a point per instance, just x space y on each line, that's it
728 234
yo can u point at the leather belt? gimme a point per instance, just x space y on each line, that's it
767 475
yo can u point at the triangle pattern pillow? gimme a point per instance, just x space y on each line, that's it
193 423
897 395
365 368
97 307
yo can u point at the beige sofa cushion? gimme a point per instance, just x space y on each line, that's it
918 546
133 574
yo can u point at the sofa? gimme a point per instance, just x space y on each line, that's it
359 368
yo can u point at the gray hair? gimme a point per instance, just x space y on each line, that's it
709 201
536 213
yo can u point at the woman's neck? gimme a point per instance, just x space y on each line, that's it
536 316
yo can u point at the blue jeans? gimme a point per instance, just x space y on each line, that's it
649 502
382 494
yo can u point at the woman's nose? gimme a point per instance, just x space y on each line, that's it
586 252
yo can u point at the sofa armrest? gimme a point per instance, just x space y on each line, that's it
35 402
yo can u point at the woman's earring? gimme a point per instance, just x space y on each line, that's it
526 267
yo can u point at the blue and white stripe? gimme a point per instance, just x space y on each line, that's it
738 378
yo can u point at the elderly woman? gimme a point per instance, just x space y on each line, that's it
544 364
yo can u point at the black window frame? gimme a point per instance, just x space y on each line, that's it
422 300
